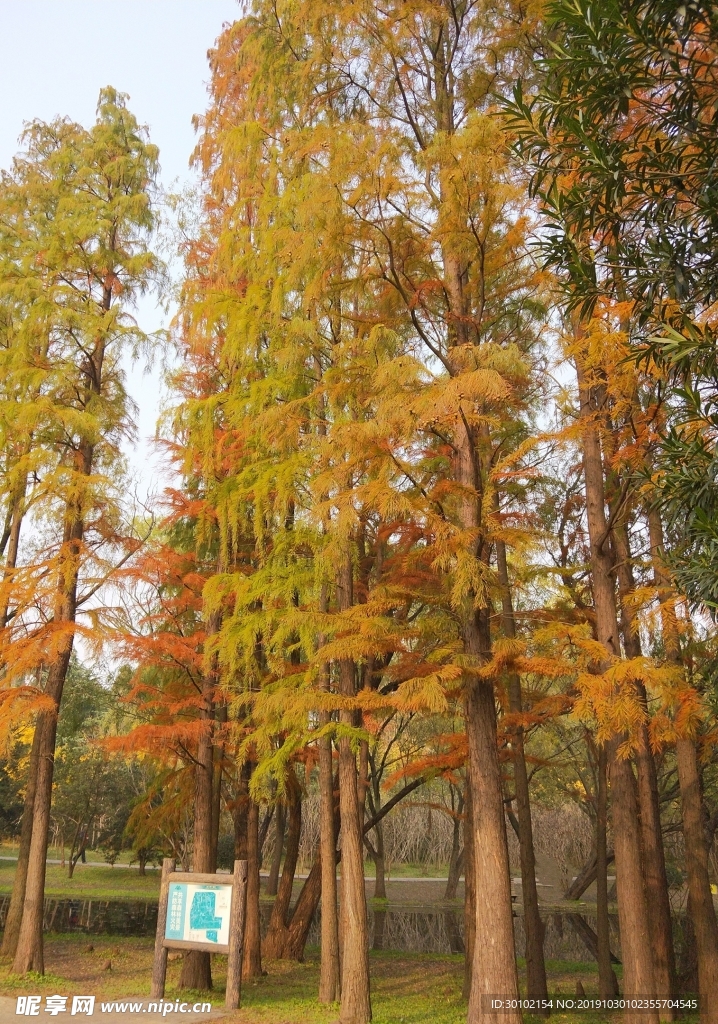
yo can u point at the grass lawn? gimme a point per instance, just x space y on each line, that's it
96 883
406 988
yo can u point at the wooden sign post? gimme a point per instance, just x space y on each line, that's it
204 912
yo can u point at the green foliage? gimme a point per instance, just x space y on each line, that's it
622 142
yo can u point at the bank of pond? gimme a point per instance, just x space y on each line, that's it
568 936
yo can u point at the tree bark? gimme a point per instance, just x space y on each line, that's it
469 893
379 864
355 1000
12 539
311 892
279 824
274 939
700 900
330 971
494 961
654 861
456 866
29 955
252 955
632 908
196 971
607 981
13 918
586 876
536 987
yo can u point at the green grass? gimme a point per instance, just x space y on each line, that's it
10 849
91 883
106 883
407 988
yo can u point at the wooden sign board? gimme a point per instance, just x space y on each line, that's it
203 912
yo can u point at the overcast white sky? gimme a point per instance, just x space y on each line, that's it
56 55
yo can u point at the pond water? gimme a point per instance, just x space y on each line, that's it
404 929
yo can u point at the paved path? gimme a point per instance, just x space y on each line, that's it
8 1015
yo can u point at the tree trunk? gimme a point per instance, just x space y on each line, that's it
456 866
607 981
536 987
275 938
355 997
196 971
330 971
304 910
700 900
252 957
311 892
586 876
379 864
654 861
218 752
279 823
632 906
494 962
469 893
17 899
29 955
12 539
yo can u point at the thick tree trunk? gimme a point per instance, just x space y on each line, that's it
632 907
469 893
252 957
355 998
607 981
304 910
536 987
700 900
654 870
218 755
330 971
196 971
279 823
494 962
654 862
13 918
330 965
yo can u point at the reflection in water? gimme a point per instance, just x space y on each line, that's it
567 937
433 930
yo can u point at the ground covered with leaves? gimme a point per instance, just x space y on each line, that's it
407 988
